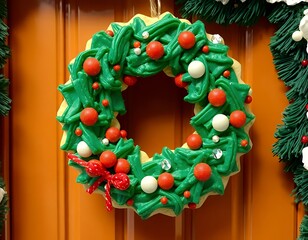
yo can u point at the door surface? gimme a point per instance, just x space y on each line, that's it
45 201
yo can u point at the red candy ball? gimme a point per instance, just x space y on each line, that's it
248 99
78 132
122 166
192 205
187 39
117 67
194 141
187 194
226 74
110 33
123 134
130 202
237 118
95 85
217 97
108 158
164 200
88 116
113 134
244 143
304 139
137 44
305 63
165 181
178 81
130 80
155 50
105 102
202 172
94 168
205 49
91 66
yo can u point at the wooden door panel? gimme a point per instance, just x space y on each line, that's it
45 201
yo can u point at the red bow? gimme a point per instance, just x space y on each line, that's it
118 180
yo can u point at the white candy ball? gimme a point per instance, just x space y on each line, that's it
196 69
83 149
149 184
105 141
137 51
145 35
215 139
297 36
220 122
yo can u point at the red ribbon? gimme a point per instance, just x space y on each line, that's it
118 180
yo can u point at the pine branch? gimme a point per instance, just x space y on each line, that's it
243 13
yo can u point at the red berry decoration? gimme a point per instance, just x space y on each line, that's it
226 74
307 107
244 143
78 132
164 200
192 205
202 172
95 85
248 99
105 102
205 49
237 118
88 116
178 81
305 63
155 50
137 44
217 97
194 141
187 39
117 67
187 194
165 181
122 166
108 159
94 168
110 33
130 80
123 134
130 202
304 139
91 66
113 134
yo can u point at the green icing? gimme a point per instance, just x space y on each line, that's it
119 49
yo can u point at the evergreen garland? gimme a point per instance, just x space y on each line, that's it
4 54
4 99
291 62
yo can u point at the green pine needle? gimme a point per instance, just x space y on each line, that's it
242 13
289 145
5 101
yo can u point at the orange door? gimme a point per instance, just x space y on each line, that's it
45 201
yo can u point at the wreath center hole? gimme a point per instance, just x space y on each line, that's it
157 116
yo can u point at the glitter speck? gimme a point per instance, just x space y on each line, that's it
145 35
217 153
216 38
165 164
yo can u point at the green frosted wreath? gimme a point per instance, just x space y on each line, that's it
110 162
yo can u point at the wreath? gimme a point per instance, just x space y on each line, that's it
110 162
289 49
